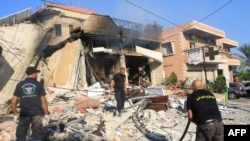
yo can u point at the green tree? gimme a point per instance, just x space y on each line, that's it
242 75
244 56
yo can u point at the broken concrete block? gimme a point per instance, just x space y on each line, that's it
92 120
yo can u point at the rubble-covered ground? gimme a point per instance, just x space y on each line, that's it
75 116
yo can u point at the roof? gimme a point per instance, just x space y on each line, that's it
198 27
71 8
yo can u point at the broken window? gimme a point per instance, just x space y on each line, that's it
167 48
58 29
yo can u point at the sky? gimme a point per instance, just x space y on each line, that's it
230 16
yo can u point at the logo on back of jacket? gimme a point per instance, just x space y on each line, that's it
29 90
205 97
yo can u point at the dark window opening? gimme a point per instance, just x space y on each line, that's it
58 29
167 48
70 28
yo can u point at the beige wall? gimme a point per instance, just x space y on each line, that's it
20 43
61 67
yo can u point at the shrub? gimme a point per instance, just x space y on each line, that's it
171 80
184 83
220 83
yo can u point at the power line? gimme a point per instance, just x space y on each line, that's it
220 18
202 7
216 11
152 13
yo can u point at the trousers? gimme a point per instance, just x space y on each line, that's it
23 126
212 131
120 99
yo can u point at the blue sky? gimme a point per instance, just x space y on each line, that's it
231 16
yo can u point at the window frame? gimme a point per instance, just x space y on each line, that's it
58 30
167 48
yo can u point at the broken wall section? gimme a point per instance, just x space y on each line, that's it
66 67
20 43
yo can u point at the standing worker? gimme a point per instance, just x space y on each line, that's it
33 106
204 112
118 85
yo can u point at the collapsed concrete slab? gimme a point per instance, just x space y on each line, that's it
22 44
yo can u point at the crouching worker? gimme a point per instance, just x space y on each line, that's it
33 107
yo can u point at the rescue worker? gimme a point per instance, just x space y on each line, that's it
204 112
33 106
118 85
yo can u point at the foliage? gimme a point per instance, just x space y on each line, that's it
220 83
242 76
211 86
171 80
184 83
244 56
165 82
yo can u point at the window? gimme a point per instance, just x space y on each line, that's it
70 28
167 48
58 30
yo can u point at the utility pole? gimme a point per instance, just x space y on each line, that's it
204 66
211 54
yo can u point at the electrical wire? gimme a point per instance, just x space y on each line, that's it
217 10
220 18
152 13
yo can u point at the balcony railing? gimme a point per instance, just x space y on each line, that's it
222 57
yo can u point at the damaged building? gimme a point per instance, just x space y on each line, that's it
75 48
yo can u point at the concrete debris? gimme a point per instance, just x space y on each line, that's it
76 116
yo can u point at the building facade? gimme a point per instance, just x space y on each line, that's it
186 46
76 48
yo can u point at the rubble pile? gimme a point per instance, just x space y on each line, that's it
76 116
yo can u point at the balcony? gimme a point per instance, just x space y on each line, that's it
224 57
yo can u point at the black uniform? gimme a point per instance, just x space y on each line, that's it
119 80
206 115
29 92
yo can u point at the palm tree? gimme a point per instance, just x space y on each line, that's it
244 56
